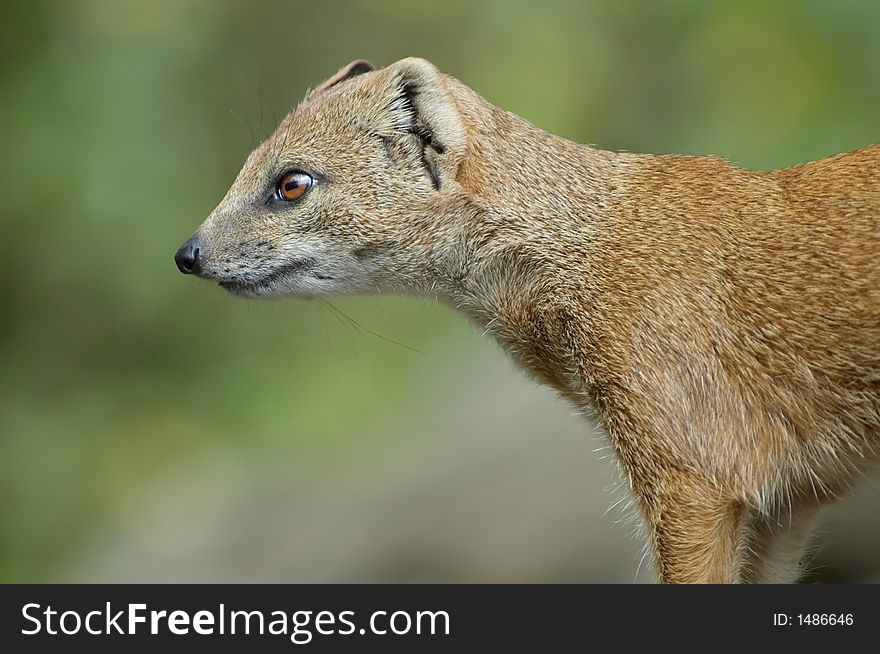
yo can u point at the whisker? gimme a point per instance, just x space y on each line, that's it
246 121
344 324
367 330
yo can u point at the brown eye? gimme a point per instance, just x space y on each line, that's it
292 186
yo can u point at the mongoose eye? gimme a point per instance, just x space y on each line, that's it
293 185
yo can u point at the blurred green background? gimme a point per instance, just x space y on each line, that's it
152 428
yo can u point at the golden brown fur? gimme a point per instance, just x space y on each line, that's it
725 324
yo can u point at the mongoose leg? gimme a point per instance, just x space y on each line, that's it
777 543
697 533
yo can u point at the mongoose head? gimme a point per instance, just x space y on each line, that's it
355 192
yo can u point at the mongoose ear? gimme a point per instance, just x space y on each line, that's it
355 68
422 104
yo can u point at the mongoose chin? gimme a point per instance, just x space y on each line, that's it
724 324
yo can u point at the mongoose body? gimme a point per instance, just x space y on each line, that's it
724 324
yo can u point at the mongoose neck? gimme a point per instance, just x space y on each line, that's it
540 204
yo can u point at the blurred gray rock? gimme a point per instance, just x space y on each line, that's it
513 488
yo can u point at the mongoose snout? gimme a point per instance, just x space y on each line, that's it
724 324
187 257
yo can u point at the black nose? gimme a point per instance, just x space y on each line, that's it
187 258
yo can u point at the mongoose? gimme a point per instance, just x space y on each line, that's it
723 324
